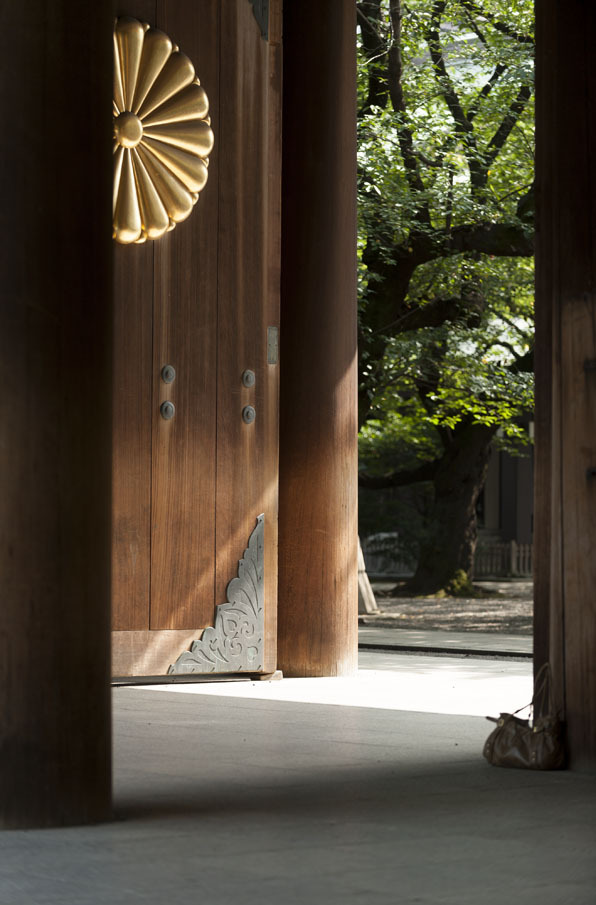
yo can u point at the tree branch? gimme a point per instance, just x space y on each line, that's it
523 365
526 204
404 133
503 344
444 81
485 91
424 472
475 27
375 45
463 125
433 314
516 108
509 240
497 24
511 323
386 311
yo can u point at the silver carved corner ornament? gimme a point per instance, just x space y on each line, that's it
162 133
235 643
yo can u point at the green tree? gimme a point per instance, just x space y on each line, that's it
446 245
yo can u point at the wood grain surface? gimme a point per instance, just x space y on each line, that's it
55 414
318 593
185 336
248 280
566 384
149 653
132 400
132 417
187 491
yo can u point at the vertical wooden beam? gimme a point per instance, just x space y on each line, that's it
55 412
566 364
248 295
318 598
544 438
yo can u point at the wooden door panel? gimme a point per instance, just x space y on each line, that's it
249 210
131 423
185 336
182 523
131 456
188 490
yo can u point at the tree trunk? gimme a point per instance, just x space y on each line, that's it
450 543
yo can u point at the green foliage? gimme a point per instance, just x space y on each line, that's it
445 157
460 585
445 151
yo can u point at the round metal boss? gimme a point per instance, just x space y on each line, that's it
167 410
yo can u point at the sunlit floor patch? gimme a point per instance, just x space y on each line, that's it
388 681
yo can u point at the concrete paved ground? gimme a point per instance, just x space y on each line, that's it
383 637
365 790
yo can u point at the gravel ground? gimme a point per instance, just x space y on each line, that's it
508 611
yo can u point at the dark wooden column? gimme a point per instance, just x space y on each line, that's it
318 465
565 510
55 422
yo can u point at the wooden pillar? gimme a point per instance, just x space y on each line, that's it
565 508
55 419
318 596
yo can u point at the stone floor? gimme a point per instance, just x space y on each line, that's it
362 791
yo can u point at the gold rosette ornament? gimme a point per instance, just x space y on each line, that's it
162 133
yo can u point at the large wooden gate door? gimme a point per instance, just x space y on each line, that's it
203 300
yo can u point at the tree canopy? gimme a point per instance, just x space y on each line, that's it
445 174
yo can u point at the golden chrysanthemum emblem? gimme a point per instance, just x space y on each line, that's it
162 133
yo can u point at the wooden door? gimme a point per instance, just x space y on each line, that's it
188 492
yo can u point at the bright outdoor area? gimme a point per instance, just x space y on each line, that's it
446 203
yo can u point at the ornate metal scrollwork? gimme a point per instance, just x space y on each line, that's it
235 643
162 133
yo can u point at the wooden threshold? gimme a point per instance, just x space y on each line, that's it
149 653
199 679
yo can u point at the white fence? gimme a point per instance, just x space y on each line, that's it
497 560
501 559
